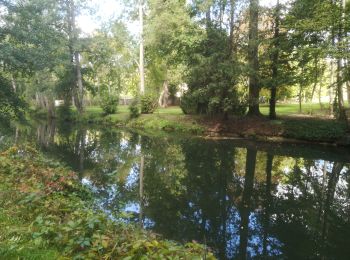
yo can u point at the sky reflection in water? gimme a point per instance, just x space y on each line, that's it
242 199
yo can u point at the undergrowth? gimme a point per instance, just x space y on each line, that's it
45 213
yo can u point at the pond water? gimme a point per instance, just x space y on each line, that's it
241 198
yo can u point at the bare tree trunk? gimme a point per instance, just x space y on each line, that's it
142 50
14 86
275 61
315 79
348 91
342 113
222 12
232 23
78 88
253 59
300 97
319 96
80 94
331 97
164 96
208 17
98 87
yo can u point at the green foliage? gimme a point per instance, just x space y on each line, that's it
149 104
314 130
49 212
11 105
200 102
134 109
213 77
189 105
109 104
65 113
166 123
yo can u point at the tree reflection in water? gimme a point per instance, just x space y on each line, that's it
243 199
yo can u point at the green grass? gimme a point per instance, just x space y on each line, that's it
293 109
96 110
93 113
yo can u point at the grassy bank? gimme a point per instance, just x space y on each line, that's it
45 213
289 125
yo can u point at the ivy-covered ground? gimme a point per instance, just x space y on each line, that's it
45 213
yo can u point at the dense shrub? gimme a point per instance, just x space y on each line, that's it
149 104
109 104
134 109
190 103
11 105
202 102
213 79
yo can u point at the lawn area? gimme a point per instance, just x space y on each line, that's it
173 110
282 110
293 109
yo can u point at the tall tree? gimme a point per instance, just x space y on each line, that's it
142 58
340 61
73 36
275 61
253 59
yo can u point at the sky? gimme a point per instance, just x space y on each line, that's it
112 9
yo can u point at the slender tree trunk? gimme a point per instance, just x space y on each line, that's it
80 94
319 96
222 12
341 29
275 61
341 107
77 88
142 50
348 91
253 59
208 17
164 96
331 96
14 85
98 87
300 97
232 23
315 79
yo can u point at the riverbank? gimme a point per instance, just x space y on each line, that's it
46 213
293 127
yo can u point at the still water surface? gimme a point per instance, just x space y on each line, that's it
242 199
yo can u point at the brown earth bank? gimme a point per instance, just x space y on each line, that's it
285 129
